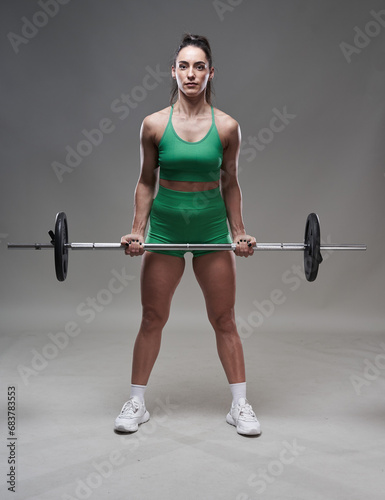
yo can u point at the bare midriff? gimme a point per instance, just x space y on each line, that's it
188 185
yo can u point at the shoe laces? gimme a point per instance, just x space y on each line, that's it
130 408
246 412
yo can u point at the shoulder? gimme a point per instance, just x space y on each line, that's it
154 124
228 128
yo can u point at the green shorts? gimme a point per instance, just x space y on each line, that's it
188 217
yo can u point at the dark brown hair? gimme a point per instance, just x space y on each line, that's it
197 41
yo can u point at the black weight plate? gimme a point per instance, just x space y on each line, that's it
61 251
312 251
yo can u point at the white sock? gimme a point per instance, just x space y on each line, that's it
238 391
138 391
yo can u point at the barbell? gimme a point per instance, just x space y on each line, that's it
311 246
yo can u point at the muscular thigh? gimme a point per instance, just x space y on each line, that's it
160 275
215 273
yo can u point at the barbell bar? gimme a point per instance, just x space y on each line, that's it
311 246
185 246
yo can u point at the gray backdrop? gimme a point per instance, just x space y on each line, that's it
70 75
306 81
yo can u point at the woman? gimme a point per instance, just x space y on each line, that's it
196 148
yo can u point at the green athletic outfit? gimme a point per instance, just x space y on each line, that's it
189 217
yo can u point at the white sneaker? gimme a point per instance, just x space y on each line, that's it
242 416
133 413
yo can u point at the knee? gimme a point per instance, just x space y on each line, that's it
224 322
153 319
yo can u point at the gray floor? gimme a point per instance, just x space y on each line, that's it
318 395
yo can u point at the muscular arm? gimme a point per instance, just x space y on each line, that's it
231 190
145 188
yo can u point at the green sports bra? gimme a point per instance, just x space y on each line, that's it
180 160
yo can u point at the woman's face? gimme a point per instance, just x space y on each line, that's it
192 71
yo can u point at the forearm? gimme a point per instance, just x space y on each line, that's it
232 197
144 194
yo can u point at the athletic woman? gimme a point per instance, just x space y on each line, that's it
195 148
